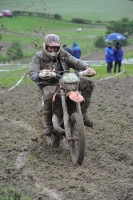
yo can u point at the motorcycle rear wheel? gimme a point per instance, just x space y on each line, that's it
77 145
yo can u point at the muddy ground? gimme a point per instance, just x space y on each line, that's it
43 173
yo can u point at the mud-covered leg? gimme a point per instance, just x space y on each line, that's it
86 87
48 92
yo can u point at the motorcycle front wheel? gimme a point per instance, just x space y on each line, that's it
77 145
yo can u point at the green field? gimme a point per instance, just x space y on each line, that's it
104 10
9 78
29 30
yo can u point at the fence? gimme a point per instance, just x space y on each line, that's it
28 13
12 75
102 62
91 62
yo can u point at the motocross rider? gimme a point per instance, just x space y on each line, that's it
52 57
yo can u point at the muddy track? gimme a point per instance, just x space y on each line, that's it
45 173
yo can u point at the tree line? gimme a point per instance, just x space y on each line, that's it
124 27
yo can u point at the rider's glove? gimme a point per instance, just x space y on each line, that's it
46 74
88 72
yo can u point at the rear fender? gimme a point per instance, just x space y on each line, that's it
75 96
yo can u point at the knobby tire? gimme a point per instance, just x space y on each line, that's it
77 147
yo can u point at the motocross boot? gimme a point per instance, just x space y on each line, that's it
84 108
48 92
86 120
47 123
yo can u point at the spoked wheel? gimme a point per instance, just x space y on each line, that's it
77 144
53 140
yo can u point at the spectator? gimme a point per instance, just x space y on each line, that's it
118 55
54 58
76 52
109 57
4 61
66 48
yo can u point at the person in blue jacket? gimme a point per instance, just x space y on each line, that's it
109 57
118 55
66 48
76 52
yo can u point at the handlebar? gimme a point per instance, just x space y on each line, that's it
46 74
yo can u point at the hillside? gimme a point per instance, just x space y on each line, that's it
86 9
30 32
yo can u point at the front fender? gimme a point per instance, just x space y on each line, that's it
75 96
54 96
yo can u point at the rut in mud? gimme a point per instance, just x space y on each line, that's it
41 172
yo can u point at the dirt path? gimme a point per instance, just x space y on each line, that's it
44 173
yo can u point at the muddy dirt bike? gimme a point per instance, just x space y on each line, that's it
67 117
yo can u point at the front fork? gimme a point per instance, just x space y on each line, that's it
78 108
65 115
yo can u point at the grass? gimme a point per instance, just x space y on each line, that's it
12 194
111 109
85 9
31 158
20 39
25 24
9 79
29 30
10 164
129 54
101 72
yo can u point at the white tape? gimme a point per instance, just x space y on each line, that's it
42 97
17 83
111 76
102 62
8 70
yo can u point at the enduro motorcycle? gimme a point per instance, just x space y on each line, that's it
67 117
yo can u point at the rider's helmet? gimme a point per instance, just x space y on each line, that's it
51 40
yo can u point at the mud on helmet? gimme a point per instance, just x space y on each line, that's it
50 41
